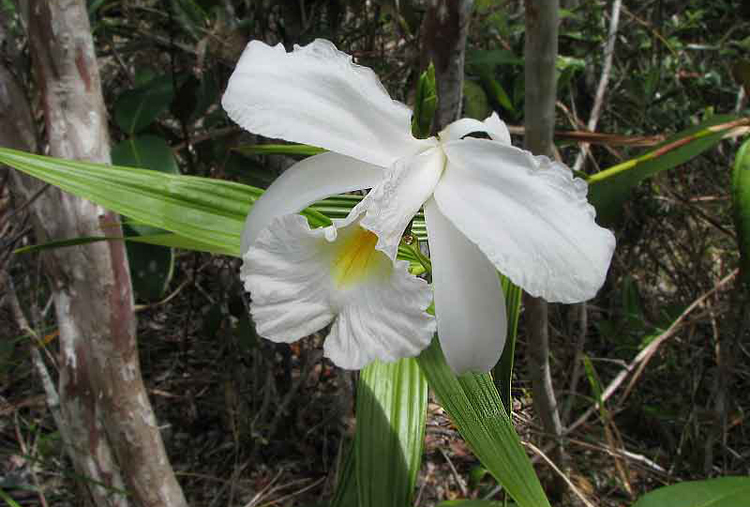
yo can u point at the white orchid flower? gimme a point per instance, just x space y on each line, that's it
488 206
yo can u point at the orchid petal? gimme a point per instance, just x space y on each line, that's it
529 215
287 278
492 126
302 279
307 181
469 301
385 319
316 95
392 204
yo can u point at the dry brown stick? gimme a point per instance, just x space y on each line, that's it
642 359
562 475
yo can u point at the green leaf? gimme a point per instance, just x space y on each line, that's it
279 149
191 16
8 499
391 411
146 152
167 239
492 57
426 104
205 214
151 268
741 207
209 211
476 104
136 109
346 486
721 492
503 372
477 410
609 189
473 503
494 90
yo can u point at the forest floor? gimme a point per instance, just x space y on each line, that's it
249 423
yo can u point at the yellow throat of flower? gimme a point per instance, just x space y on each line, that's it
356 258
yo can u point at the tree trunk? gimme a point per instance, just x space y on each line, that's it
116 443
541 91
444 32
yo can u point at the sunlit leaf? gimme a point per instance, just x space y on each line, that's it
609 189
477 410
741 207
721 492
474 503
391 411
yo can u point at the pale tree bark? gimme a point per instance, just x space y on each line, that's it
444 31
114 439
540 52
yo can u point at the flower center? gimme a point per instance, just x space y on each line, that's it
355 258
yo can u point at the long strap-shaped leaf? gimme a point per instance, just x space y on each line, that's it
741 207
608 189
476 409
391 410
206 210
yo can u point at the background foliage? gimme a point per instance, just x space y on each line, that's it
250 422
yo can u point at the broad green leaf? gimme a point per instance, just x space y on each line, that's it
477 410
741 207
151 266
503 372
151 269
721 492
391 411
279 149
472 503
609 189
136 109
476 103
426 104
147 152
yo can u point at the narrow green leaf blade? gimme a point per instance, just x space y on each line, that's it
503 372
346 487
477 410
209 211
391 411
609 189
721 492
279 149
741 207
165 239
472 503
426 104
